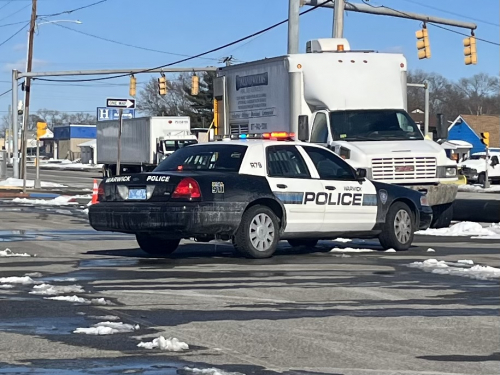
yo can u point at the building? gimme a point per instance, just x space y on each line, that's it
88 152
468 128
67 139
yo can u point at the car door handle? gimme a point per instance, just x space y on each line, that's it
330 187
282 186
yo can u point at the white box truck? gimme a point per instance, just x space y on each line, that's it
145 142
355 103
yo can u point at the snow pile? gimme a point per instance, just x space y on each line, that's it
25 280
33 274
85 211
445 268
465 261
431 250
170 344
350 250
6 286
68 164
47 289
9 253
464 228
105 317
209 371
63 200
17 182
342 240
100 301
390 251
107 328
69 299
478 189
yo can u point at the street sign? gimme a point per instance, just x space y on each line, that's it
105 113
120 103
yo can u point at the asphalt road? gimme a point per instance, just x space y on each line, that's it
301 312
74 179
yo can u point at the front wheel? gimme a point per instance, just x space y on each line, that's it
399 228
155 245
258 234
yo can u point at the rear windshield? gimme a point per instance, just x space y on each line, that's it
217 157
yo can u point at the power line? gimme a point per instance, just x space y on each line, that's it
8 2
72 10
453 13
431 23
11 24
127 44
187 58
13 35
17 11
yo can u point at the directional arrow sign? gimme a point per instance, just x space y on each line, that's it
120 103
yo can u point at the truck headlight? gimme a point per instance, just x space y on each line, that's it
446 172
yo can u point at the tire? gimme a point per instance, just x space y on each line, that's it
402 237
302 242
481 178
263 244
156 246
442 215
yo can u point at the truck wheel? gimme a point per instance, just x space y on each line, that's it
258 233
481 179
302 242
399 228
156 246
442 215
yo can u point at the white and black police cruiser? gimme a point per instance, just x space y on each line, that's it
257 192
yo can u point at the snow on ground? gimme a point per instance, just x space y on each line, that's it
74 299
464 228
6 286
9 253
431 250
105 317
17 182
101 301
86 211
63 200
456 269
33 274
47 289
107 328
68 164
340 239
209 371
479 189
350 250
25 280
170 344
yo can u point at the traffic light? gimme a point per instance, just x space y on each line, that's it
133 84
162 85
195 85
485 138
470 50
423 46
41 129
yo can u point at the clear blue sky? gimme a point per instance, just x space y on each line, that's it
190 27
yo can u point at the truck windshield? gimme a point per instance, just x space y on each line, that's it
373 125
172 145
217 157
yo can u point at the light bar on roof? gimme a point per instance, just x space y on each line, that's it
270 136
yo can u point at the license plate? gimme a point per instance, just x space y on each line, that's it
138 194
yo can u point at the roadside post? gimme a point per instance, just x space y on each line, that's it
121 104
3 165
485 140
41 129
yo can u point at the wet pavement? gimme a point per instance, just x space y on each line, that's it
304 311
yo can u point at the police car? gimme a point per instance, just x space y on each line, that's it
257 192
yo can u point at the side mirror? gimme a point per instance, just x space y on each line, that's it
361 174
303 128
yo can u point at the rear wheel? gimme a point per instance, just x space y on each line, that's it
481 179
399 228
302 242
258 234
155 245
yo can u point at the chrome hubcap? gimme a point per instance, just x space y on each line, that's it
261 232
402 226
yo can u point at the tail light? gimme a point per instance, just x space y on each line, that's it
188 188
100 192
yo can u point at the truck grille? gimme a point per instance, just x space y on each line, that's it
409 168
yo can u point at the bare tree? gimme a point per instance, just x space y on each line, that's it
477 89
172 104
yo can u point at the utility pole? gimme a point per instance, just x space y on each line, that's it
338 19
293 26
15 132
119 150
27 88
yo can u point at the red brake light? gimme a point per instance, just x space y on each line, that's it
100 192
188 188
